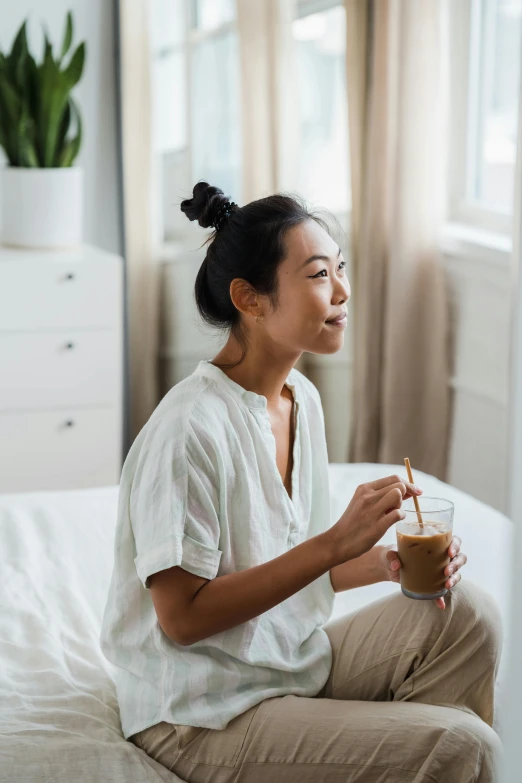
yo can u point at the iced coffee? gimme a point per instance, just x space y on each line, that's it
423 548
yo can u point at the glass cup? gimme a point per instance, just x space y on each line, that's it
423 551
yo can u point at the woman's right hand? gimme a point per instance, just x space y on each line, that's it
374 508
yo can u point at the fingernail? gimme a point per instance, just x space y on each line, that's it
418 490
395 565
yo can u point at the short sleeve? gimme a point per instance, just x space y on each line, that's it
174 503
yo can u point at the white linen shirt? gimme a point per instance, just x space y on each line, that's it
200 489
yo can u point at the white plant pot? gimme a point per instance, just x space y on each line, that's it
42 208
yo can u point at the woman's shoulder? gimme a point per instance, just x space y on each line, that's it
190 407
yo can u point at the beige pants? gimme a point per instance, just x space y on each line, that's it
409 699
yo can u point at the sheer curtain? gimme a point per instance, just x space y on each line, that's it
268 96
395 107
141 266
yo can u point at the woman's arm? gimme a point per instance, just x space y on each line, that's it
190 608
364 570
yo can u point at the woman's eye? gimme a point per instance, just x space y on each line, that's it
341 265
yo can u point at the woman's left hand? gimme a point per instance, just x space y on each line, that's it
452 570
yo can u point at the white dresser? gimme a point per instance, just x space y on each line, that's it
61 368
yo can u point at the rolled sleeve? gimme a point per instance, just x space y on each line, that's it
187 553
174 505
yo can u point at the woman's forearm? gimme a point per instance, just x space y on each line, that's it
364 570
232 599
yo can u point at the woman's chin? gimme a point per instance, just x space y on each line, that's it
325 347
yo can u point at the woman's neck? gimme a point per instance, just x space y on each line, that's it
263 372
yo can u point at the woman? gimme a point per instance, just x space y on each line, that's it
226 564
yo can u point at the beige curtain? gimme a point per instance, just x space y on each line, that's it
141 265
268 96
401 365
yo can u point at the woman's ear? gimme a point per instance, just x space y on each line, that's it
244 298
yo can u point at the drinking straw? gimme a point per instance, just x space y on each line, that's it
410 476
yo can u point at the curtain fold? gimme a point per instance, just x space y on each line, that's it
141 265
401 349
269 101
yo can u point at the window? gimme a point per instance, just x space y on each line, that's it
195 103
496 31
484 74
319 33
197 119
215 96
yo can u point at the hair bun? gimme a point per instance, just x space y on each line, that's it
205 204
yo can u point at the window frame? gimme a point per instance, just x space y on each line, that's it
464 37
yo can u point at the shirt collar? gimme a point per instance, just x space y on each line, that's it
249 398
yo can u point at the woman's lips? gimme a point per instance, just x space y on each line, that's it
338 321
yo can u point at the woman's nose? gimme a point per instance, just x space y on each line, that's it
343 291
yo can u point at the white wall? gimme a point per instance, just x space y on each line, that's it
93 20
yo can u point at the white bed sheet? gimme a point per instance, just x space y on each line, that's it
59 718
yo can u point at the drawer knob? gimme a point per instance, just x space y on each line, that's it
70 276
70 345
69 423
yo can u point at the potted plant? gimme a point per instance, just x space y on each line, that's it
41 134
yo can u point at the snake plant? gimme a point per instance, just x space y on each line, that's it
37 110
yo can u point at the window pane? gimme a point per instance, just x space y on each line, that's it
209 14
167 23
320 41
494 118
216 120
169 102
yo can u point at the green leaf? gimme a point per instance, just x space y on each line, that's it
31 158
72 147
48 47
53 99
74 70
63 130
11 103
19 42
67 38
26 153
54 112
13 58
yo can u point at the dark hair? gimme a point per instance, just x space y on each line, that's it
249 244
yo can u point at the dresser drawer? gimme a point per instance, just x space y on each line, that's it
55 369
39 295
42 451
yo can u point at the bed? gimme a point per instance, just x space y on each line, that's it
59 718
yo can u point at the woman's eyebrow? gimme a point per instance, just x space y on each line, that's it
318 258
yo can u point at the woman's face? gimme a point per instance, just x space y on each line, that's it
312 291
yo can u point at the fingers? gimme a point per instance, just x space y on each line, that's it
382 484
455 564
390 498
407 490
393 560
453 580
455 545
393 516
440 603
